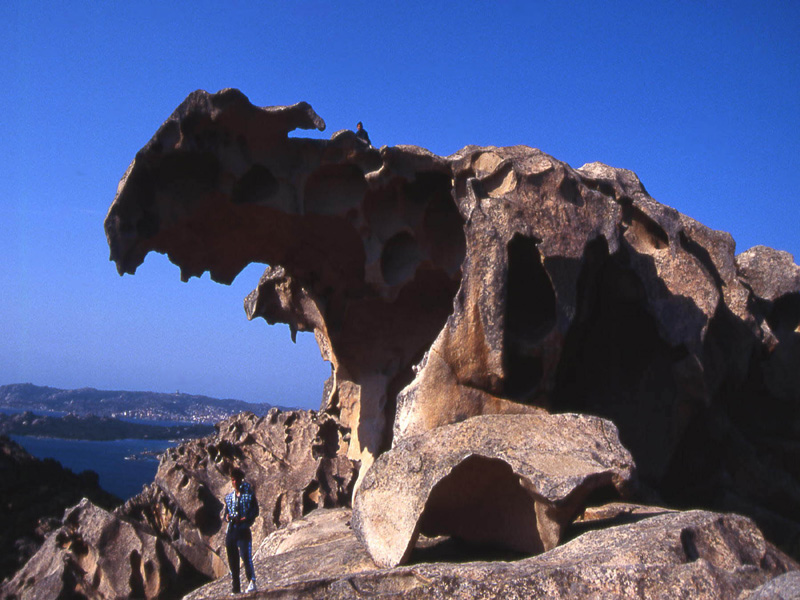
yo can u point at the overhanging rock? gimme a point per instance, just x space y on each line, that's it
513 481
491 281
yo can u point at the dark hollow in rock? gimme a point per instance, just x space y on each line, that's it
483 502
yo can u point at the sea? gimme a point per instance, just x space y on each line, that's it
123 466
120 464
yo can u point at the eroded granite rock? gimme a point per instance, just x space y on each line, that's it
490 281
96 554
513 481
294 460
170 538
320 545
377 261
33 496
770 273
697 554
783 587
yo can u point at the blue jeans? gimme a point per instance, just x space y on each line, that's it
239 543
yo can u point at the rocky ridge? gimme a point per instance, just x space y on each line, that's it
494 285
169 539
34 495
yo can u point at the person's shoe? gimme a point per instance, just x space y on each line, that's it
252 586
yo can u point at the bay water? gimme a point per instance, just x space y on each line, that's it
119 463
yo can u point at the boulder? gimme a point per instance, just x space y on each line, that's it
34 495
320 526
513 481
97 554
697 554
770 273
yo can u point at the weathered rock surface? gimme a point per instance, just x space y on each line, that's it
321 526
619 511
170 538
771 274
34 494
320 545
490 281
512 481
96 554
784 587
294 460
675 555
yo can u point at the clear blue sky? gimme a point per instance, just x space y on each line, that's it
701 99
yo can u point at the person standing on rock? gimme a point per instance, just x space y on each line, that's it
241 509
361 133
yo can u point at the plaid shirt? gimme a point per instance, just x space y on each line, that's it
243 506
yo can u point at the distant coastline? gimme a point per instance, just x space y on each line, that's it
124 405
119 435
94 428
123 466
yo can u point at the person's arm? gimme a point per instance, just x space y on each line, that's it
252 509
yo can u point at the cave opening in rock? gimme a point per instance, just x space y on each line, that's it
615 364
530 314
784 317
643 233
482 504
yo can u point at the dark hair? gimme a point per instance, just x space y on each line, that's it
237 474
359 123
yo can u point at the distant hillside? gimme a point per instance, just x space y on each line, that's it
137 405
91 427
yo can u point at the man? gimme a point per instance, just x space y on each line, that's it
241 509
361 133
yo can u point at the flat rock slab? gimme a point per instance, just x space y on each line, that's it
699 555
510 481
321 545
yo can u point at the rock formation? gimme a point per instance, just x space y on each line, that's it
784 587
495 285
695 554
511 481
293 460
170 538
490 281
96 554
34 495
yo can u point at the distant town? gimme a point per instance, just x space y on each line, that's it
91 427
145 406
